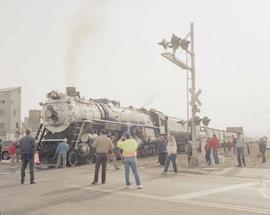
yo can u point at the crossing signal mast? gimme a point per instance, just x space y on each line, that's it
186 44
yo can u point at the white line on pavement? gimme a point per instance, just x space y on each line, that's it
263 189
9 193
228 206
214 191
120 191
226 170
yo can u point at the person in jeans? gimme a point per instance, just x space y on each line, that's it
162 151
27 145
61 152
214 144
103 145
171 150
240 145
129 147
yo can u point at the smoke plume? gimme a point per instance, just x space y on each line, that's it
84 24
149 100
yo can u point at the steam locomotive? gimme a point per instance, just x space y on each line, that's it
67 115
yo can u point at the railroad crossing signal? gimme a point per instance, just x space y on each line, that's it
205 121
195 98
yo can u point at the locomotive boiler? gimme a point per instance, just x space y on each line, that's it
67 115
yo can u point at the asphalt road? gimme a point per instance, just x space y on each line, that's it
68 191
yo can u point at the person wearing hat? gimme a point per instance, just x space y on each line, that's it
103 145
61 152
129 147
27 145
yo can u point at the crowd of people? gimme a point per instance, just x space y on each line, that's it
106 145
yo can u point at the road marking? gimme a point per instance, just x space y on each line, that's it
214 191
226 170
139 194
9 193
4 173
228 206
264 188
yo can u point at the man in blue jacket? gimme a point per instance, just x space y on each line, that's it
62 150
27 146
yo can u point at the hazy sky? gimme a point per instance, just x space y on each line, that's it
108 48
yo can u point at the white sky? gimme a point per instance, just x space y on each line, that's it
111 46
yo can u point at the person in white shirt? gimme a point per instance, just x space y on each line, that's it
171 156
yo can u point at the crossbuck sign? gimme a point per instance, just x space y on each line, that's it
195 97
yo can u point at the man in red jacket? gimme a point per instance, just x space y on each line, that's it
214 144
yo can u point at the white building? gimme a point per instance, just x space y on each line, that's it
10 111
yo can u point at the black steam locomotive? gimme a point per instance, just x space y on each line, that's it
66 115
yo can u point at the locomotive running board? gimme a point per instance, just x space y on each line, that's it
51 140
127 123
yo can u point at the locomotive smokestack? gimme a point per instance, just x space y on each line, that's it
71 91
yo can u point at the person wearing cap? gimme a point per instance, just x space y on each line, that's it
129 147
61 152
27 145
103 145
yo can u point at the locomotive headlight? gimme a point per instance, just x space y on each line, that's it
84 137
50 113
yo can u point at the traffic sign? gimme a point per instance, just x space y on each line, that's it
195 98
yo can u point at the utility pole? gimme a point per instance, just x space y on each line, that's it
193 89
187 86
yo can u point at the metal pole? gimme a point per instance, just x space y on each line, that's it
187 95
193 89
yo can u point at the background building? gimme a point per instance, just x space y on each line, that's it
25 122
34 119
10 112
235 129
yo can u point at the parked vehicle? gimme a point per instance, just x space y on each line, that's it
5 149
